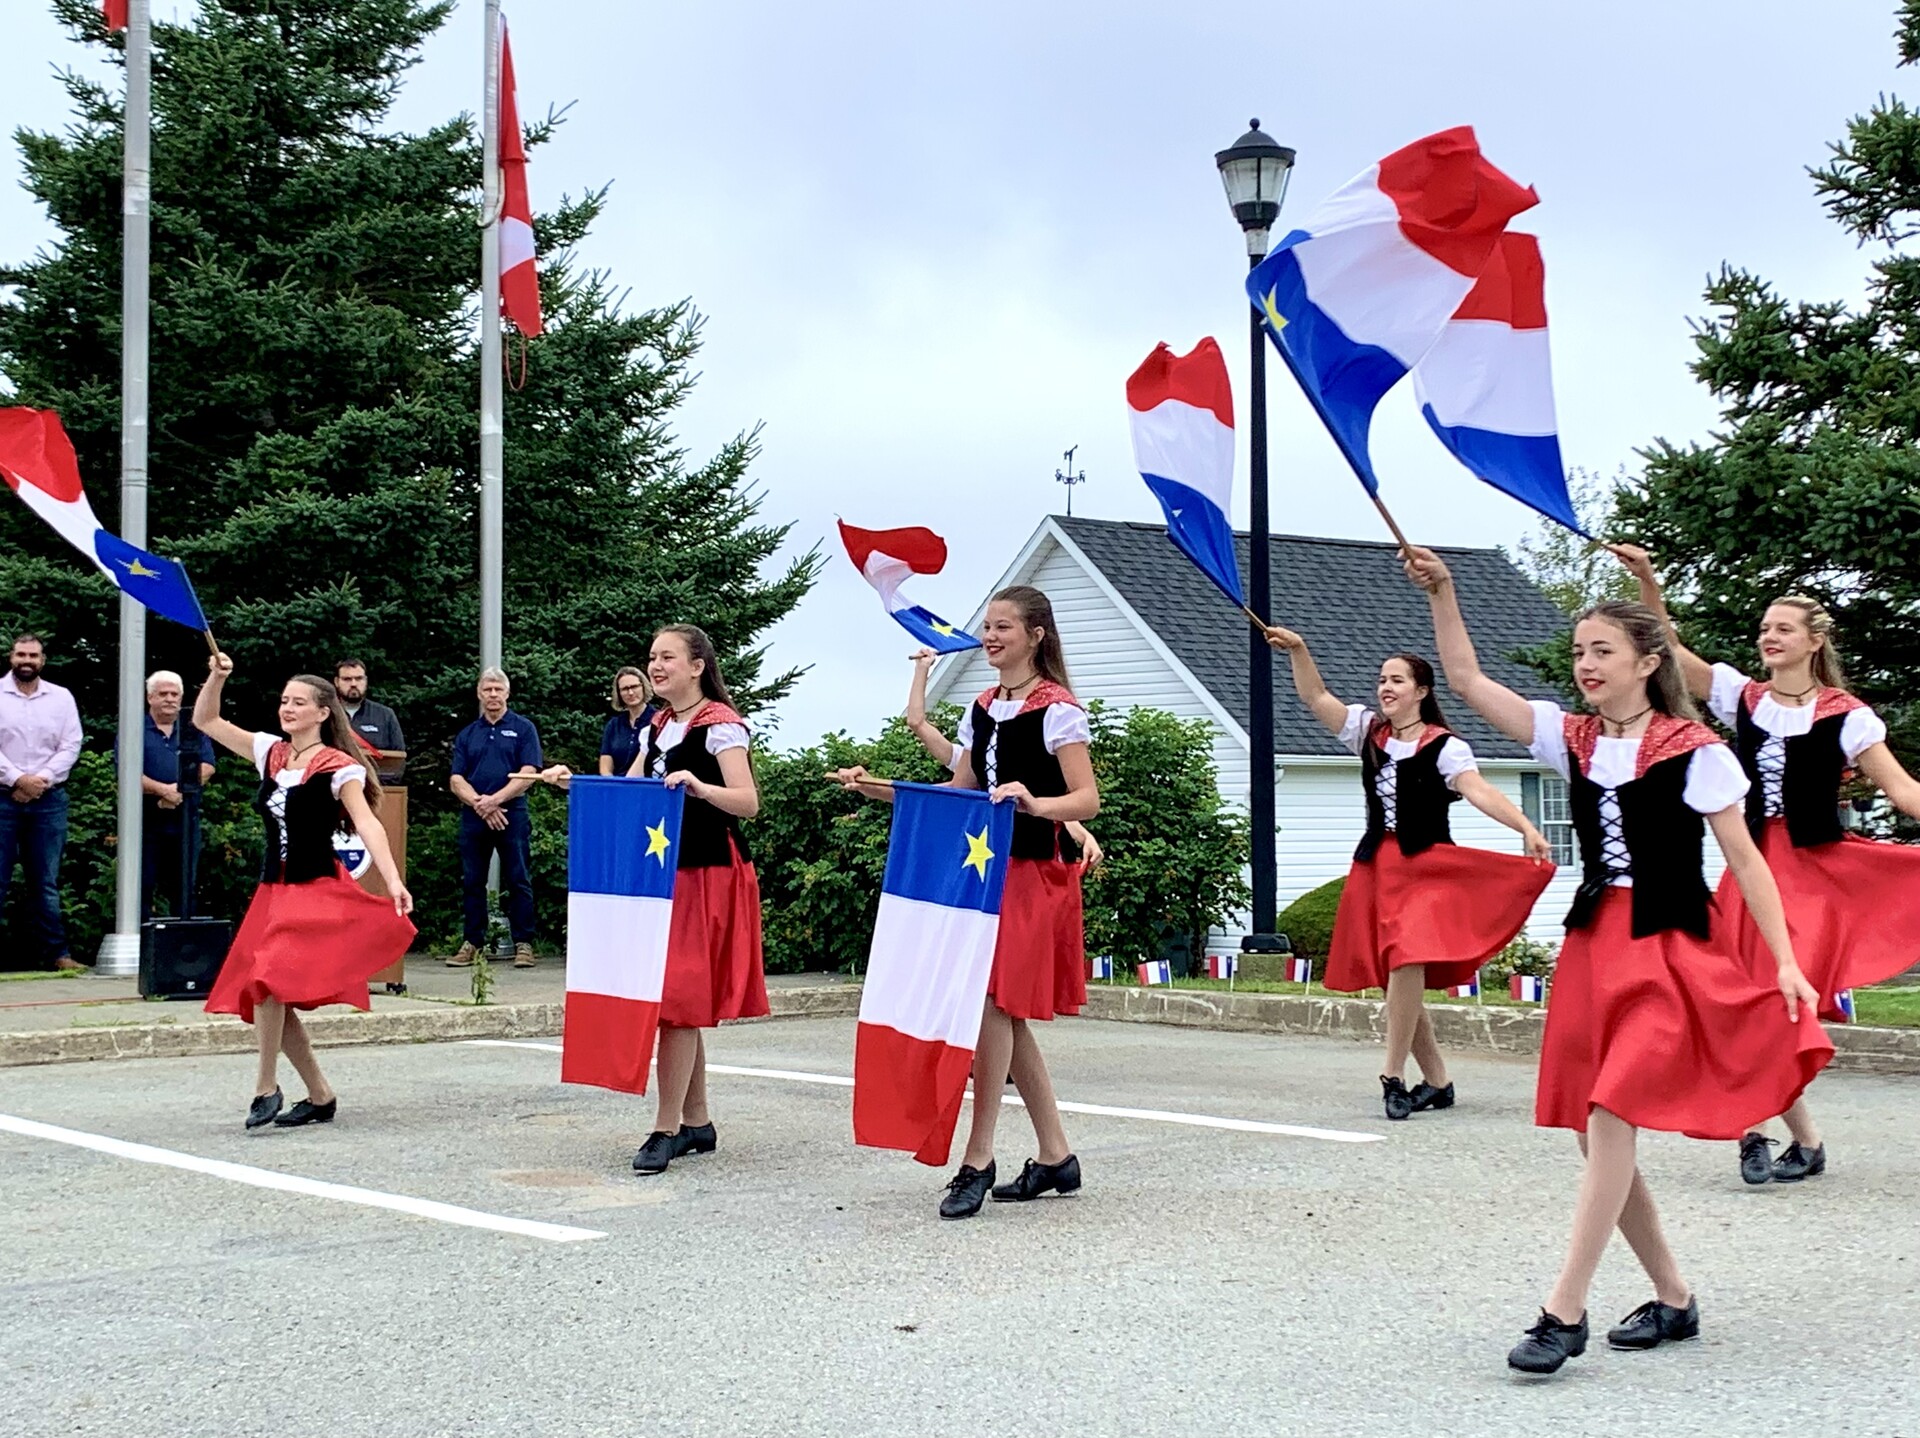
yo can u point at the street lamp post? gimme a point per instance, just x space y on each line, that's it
1255 170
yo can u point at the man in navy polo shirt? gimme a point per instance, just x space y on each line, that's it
496 759
176 761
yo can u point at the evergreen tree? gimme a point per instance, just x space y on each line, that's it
1812 483
314 435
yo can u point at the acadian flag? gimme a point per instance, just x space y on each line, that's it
623 848
38 463
1486 386
1355 296
1528 988
1155 971
1181 407
1222 966
927 974
1470 990
887 558
1100 968
1300 971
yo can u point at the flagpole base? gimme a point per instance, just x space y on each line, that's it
119 957
1265 944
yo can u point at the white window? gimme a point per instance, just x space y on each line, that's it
1544 799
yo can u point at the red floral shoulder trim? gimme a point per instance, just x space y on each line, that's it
1432 734
1830 702
1666 738
1044 693
326 760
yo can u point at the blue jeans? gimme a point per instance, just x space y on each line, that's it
35 834
514 844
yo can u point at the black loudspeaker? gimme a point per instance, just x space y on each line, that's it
180 958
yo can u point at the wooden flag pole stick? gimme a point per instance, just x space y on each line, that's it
1254 619
1399 535
212 647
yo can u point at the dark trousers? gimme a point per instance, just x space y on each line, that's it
163 858
514 845
35 834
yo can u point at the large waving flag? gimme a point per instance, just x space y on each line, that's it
38 463
623 849
1182 412
1486 386
519 283
1355 296
887 558
927 977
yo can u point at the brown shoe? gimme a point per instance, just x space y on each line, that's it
68 964
523 957
463 958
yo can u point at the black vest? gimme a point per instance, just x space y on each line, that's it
1810 784
313 816
1021 757
1664 839
705 831
1420 802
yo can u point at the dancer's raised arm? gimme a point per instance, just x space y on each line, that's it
1307 682
1492 700
925 730
1697 672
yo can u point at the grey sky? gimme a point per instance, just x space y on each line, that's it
932 242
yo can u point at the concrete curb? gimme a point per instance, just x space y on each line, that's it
436 1024
1494 1028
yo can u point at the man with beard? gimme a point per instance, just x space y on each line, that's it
376 724
39 740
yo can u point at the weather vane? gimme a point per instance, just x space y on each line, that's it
1069 478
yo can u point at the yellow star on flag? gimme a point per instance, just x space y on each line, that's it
978 854
942 627
1271 306
657 842
136 570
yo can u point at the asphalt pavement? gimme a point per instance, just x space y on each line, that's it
1366 1280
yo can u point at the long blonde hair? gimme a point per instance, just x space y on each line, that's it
1647 633
1826 661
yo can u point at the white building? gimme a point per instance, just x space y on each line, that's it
1141 626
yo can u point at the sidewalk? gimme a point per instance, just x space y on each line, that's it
69 1020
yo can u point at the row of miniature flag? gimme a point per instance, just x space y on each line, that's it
1526 988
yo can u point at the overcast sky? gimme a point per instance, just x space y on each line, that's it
932 242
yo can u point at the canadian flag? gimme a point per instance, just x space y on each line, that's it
116 13
519 284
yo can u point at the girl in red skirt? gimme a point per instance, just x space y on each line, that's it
1026 741
1653 1024
311 936
1401 925
1853 905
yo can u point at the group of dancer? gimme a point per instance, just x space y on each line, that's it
1673 1009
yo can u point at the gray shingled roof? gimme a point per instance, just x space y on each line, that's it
1347 597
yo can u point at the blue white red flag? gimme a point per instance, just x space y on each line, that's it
1467 990
1222 966
1528 988
1300 971
932 955
1355 296
1844 999
1181 407
1100 968
623 850
1154 971
1486 386
886 558
38 463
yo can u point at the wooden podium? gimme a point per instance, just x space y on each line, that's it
392 814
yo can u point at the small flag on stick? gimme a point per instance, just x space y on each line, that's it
1155 971
1845 1000
1470 990
1222 966
1300 970
1101 967
886 559
1528 988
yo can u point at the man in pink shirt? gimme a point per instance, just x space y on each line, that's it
39 740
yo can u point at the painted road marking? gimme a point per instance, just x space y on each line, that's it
1101 1110
294 1183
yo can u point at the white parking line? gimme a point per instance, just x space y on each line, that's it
1101 1110
294 1183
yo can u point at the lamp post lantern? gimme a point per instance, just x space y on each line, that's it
1255 170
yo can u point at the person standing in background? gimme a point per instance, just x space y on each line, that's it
176 761
39 741
375 725
626 732
496 759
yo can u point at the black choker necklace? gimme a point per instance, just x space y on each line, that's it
1779 693
308 750
1621 724
1417 724
1007 689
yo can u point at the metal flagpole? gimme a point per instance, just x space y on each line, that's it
120 951
491 375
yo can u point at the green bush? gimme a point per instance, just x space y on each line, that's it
1522 956
1308 922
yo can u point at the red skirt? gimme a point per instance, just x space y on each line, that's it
1449 907
309 944
1669 1033
715 969
1040 955
1853 912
